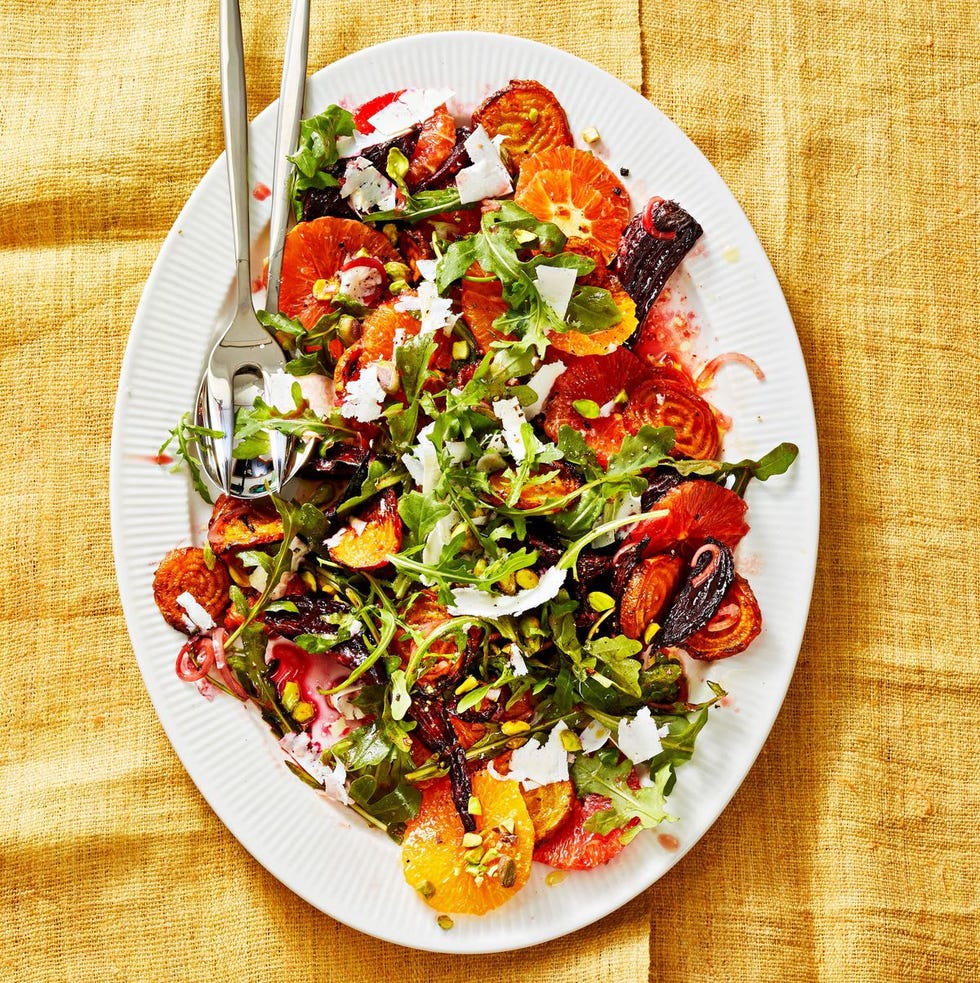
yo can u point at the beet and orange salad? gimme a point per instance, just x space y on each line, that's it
469 618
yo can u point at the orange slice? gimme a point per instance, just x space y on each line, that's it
457 878
315 251
576 191
436 140
599 342
482 302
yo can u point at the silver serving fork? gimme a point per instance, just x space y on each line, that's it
246 348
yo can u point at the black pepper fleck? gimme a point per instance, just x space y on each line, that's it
624 172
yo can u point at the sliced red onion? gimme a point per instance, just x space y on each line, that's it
700 578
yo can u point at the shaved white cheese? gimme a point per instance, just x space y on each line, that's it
433 311
367 188
516 659
195 611
554 285
360 282
363 396
412 107
441 534
542 382
512 418
593 736
483 180
427 268
469 600
536 764
422 463
307 755
639 738
486 177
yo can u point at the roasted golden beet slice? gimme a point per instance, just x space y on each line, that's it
367 541
548 807
648 592
734 627
239 524
528 115
660 402
560 482
185 571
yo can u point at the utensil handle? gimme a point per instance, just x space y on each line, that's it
292 92
234 115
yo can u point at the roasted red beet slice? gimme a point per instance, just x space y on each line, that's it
646 259
436 732
711 573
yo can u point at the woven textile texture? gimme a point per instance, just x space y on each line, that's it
849 133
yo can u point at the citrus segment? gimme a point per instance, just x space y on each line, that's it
607 381
573 847
694 510
455 877
315 251
482 302
578 192
436 140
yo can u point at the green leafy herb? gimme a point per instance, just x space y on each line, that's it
603 774
317 153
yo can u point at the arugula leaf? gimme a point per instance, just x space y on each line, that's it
420 513
592 309
184 434
317 153
603 775
618 665
252 424
422 204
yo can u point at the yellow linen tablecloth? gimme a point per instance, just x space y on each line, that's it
849 133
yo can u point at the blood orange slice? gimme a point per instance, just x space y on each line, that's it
436 141
607 381
482 302
450 874
573 847
576 191
695 510
599 342
316 251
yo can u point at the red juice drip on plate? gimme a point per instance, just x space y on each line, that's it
312 673
668 841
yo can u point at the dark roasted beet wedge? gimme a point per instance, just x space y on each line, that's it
711 573
659 483
437 734
651 248
318 202
308 619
